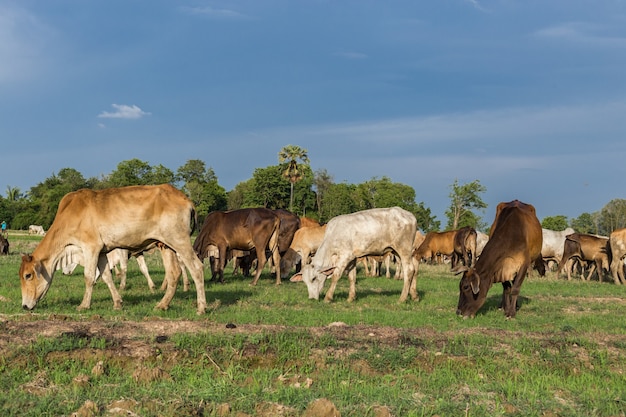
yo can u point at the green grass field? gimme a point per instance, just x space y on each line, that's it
564 354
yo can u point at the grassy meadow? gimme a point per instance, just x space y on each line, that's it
268 350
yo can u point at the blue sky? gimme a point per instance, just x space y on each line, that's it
528 96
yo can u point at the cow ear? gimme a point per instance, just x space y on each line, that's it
328 271
26 257
296 278
475 283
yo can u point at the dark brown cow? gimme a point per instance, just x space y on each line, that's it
244 229
464 246
289 223
4 245
590 248
514 243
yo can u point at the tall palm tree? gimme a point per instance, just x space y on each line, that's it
292 153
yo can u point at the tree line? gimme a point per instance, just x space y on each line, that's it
289 185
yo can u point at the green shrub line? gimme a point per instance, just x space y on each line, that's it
563 355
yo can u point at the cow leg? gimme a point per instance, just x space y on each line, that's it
123 271
338 271
409 275
352 279
171 277
107 277
143 267
261 261
173 272
617 270
91 274
276 260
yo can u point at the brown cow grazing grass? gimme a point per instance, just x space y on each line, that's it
514 244
94 222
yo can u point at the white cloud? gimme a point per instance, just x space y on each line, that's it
123 111
582 33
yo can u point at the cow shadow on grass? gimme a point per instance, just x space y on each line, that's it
494 303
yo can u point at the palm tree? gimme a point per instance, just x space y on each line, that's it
292 153
13 193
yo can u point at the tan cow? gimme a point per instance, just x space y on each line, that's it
97 221
435 245
305 242
587 248
617 241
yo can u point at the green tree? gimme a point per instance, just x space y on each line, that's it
290 155
240 196
271 189
556 223
612 216
44 198
322 181
13 193
200 184
584 223
463 199
339 199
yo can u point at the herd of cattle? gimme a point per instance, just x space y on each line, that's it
101 230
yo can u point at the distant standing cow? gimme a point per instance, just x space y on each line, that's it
33 229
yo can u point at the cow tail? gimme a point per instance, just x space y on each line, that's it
194 220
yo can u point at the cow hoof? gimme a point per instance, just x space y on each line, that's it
117 306
82 307
161 307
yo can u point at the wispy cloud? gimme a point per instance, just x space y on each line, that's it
475 4
581 33
215 13
123 111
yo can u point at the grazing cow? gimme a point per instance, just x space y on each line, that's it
589 248
305 242
464 246
33 229
244 229
96 222
4 245
350 236
435 245
617 241
553 244
514 243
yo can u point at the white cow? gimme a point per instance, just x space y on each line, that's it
34 229
553 244
350 236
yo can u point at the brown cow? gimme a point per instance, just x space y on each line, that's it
4 245
464 246
244 229
514 243
434 245
617 241
95 222
590 248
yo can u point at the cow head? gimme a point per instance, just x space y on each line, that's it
314 279
470 297
35 281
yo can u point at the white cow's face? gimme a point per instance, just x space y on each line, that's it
314 281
